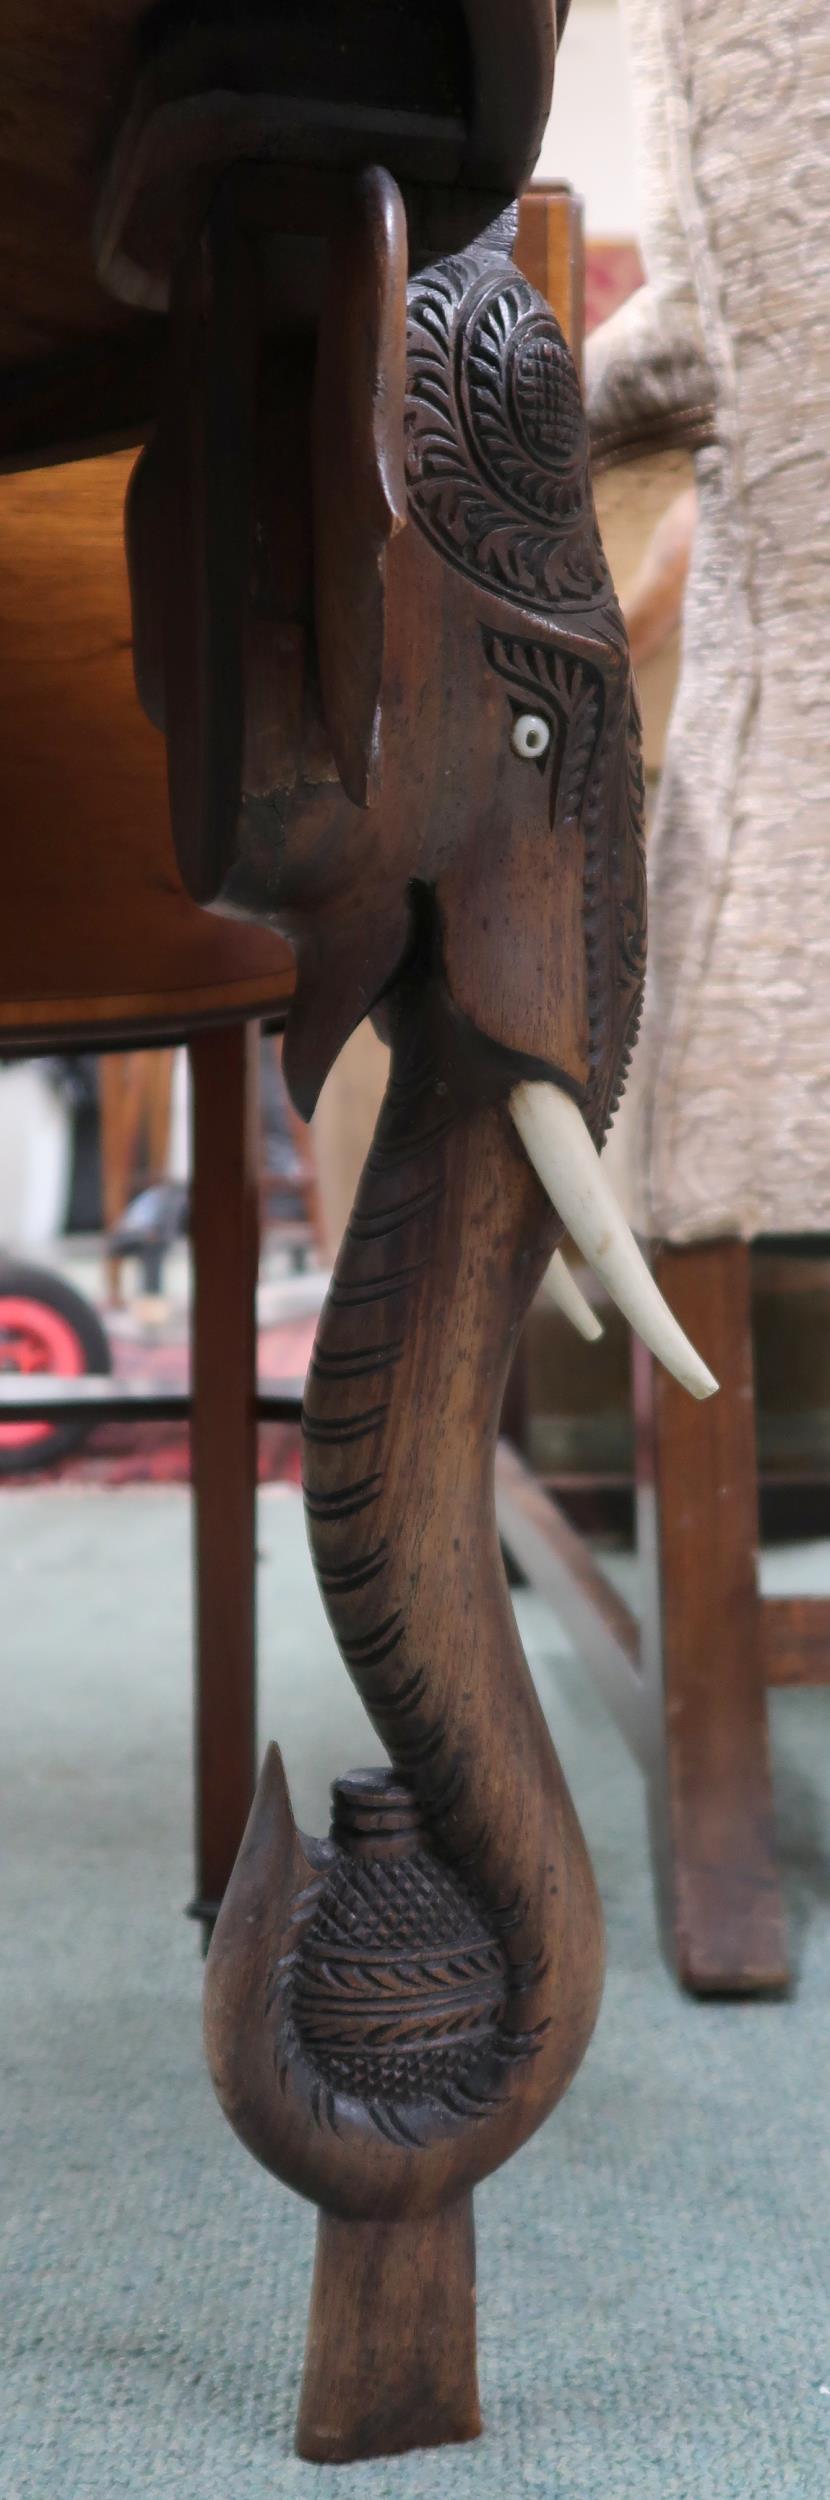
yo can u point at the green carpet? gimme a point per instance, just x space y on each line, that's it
653 2269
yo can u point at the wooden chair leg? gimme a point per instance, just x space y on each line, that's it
308 1182
120 1080
703 1650
158 1102
225 1202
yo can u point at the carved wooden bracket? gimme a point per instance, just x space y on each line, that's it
258 518
415 750
358 484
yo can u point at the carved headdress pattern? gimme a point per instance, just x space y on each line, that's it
498 480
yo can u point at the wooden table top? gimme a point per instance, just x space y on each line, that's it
77 365
97 935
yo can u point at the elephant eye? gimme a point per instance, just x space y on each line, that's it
530 736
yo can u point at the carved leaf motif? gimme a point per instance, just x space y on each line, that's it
582 734
502 417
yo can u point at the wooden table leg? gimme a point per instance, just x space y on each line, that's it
225 1069
703 1649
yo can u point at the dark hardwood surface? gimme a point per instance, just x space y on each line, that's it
391 2011
688 1685
358 479
457 94
703 1651
225 1232
387 2308
550 248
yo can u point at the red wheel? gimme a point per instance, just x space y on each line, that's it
33 1339
45 1327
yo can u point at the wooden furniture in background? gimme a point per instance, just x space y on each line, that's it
550 248
134 1092
101 946
225 1236
688 1685
689 1688
711 1643
304 1181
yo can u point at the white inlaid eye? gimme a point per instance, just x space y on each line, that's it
530 736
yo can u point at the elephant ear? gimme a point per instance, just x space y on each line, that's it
359 492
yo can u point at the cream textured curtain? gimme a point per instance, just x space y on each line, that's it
728 347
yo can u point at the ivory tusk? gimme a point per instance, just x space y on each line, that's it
564 1291
557 1142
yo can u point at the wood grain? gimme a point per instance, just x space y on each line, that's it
97 931
460 95
796 1639
390 2012
225 1229
550 249
391 2353
358 482
703 1643
559 1564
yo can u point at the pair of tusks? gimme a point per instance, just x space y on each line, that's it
555 1138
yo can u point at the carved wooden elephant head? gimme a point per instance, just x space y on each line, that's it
429 778
503 832
466 677
416 751
413 747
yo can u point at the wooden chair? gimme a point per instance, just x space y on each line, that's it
688 1686
101 948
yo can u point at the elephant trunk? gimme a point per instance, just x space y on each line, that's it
430 1976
